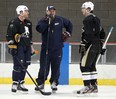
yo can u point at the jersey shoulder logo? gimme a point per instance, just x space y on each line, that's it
28 23
56 23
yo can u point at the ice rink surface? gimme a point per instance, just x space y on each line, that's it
64 92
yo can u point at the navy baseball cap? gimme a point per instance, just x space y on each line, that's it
50 8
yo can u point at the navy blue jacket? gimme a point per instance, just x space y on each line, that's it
55 31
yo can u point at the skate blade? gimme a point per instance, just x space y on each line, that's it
14 93
94 94
83 95
19 92
87 95
22 92
53 91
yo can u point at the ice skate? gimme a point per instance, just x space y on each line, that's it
21 87
54 87
84 91
41 87
14 87
94 90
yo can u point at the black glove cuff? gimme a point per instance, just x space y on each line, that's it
103 51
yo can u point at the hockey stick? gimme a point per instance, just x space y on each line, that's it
104 45
42 92
47 50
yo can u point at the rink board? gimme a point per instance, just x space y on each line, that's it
106 74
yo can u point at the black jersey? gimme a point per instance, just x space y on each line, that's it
91 28
24 29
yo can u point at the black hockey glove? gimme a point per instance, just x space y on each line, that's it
46 18
12 49
65 36
103 51
82 48
49 18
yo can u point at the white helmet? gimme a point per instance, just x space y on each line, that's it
88 5
21 8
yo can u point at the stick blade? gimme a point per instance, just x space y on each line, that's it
45 93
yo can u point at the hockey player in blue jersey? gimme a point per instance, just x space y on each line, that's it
51 29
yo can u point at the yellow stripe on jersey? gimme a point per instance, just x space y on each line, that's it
16 37
12 46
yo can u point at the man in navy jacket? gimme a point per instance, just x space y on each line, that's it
51 29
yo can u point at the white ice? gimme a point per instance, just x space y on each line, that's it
64 92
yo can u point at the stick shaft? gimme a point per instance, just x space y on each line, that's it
104 45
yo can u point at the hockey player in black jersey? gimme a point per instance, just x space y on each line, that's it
90 48
19 37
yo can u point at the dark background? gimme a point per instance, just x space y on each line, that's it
71 9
